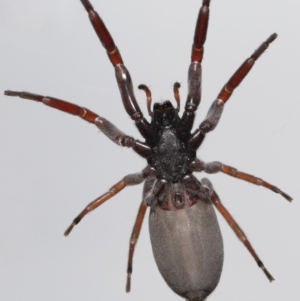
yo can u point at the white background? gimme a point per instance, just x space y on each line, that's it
53 164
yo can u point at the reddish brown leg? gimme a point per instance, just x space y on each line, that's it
239 232
122 74
200 32
106 127
214 167
133 241
240 74
58 104
215 112
252 179
194 72
96 203
103 34
132 179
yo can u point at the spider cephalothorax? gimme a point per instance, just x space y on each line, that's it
169 157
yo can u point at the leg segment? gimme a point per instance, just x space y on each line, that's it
236 228
200 32
194 73
103 34
136 231
108 129
215 167
133 241
132 179
122 74
215 111
241 73
252 179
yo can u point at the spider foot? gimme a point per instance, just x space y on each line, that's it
69 229
285 195
128 282
269 276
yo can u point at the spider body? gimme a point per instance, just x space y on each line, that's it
185 235
170 156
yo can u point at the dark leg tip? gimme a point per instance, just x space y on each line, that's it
69 229
128 283
269 276
272 38
10 93
286 196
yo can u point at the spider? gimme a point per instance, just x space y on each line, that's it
186 239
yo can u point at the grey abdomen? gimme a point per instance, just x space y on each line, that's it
188 249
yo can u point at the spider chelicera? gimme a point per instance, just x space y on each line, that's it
183 228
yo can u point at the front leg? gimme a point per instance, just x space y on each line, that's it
214 114
215 167
122 74
105 126
194 73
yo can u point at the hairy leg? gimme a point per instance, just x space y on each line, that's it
214 114
235 227
214 167
132 179
105 126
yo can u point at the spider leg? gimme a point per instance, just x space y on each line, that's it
194 72
214 167
235 227
133 241
200 32
136 230
214 114
252 179
108 129
122 75
132 179
152 187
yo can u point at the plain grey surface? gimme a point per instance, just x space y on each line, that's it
188 248
53 164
